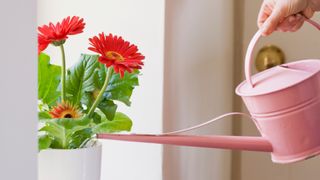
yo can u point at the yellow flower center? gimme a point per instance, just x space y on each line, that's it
114 56
67 116
65 110
70 114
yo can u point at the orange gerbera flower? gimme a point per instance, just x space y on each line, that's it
57 34
65 110
116 52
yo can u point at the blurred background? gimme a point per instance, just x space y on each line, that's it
194 59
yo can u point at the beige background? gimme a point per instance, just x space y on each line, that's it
198 84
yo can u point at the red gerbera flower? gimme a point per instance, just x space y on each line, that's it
65 110
116 52
42 43
57 34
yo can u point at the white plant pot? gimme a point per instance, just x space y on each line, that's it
75 164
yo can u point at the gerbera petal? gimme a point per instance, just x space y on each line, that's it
42 43
121 73
76 25
131 50
61 30
65 110
115 51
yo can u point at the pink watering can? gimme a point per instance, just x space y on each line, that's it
284 104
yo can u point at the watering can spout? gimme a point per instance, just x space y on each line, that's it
225 142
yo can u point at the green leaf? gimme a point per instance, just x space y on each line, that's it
44 142
62 130
69 123
80 78
101 75
44 115
55 144
87 99
71 132
57 132
121 122
48 80
77 139
88 77
120 89
108 108
96 118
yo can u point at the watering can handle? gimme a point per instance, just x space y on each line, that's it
254 40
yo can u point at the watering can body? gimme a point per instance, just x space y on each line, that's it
284 104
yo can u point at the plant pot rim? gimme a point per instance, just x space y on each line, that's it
97 144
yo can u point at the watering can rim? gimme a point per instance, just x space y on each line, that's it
253 94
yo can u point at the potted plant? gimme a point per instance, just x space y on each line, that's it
77 103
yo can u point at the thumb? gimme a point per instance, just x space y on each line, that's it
272 22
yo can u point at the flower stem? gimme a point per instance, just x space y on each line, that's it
63 74
100 95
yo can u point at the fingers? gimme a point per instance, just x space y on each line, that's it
272 22
297 26
264 13
283 15
291 23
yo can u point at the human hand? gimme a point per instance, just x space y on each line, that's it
285 15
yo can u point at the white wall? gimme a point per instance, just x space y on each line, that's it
140 22
198 83
18 72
